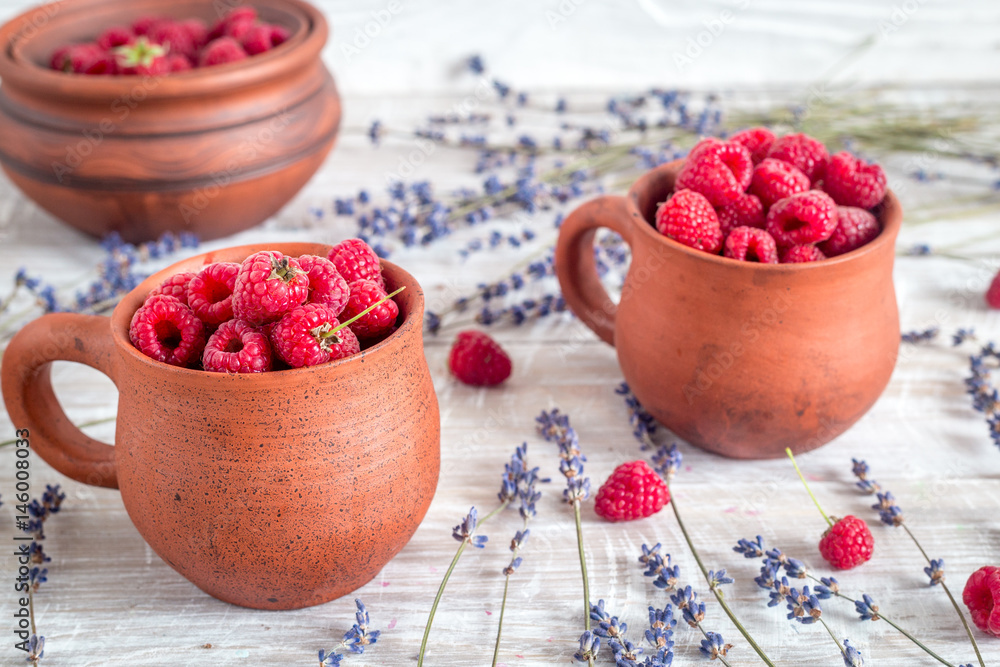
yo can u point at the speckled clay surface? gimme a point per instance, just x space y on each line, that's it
274 491
738 358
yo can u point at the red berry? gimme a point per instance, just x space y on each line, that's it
804 152
239 15
257 40
196 31
166 330
220 52
478 360
773 180
142 57
749 244
847 543
279 35
355 260
855 228
178 62
118 35
747 211
633 491
982 596
326 285
143 25
267 286
806 217
757 140
718 170
303 337
798 254
854 182
688 218
237 347
365 293
83 59
175 38
210 293
175 286
993 293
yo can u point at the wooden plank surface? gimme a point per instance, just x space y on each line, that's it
111 601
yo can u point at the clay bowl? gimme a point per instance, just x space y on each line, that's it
273 491
211 151
739 358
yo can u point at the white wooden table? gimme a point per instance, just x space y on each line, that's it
111 601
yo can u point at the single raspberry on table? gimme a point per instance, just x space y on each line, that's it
993 293
719 170
847 543
305 336
166 330
220 52
355 260
982 596
757 140
773 180
799 254
747 211
633 491
175 286
267 286
326 285
804 152
117 35
237 347
854 182
478 360
806 217
855 228
749 244
688 218
364 294
210 293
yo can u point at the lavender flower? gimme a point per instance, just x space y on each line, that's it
860 470
358 637
643 424
667 461
866 608
918 336
36 649
554 426
935 571
962 335
827 589
714 646
803 606
590 645
329 659
750 549
609 627
888 511
852 658
465 531
692 610
718 578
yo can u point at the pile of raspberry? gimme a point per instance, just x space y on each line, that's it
760 198
156 45
270 312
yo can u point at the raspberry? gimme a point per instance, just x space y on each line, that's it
83 59
196 31
855 228
749 244
268 285
175 38
166 330
355 260
365 293
688 218
142 58
304 337
981 596
143 25
210 293
258 40
718 170
237 347
747 211
220 52
239 15
798 254
175 286
326 285
757 140
633 491
178 62
854 182
993 293
804 152
806 217
774 180
279 35
478 360
847 543
118 35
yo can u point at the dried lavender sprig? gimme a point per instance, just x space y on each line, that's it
355 640
40 510
985 398
892 515
920 335
612 631
667 462
554 427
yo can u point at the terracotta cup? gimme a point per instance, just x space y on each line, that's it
274 491
211 151
741 359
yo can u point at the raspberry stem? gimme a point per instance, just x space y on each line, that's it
364 312
806 484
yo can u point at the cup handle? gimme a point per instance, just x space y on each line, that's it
32 405
575 265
